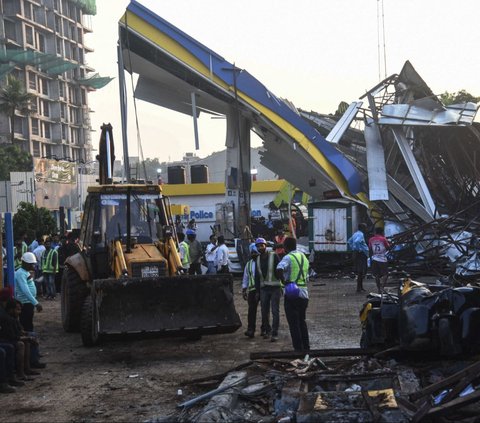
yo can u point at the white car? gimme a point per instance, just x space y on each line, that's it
234 265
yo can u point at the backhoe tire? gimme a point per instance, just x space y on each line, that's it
73 294
88 327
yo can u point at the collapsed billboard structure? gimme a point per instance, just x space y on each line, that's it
415 160
420 160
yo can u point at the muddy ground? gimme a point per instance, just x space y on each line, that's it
127 381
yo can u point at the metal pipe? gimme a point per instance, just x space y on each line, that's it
209 394
9 248
123 110
195 124
129 196
109 156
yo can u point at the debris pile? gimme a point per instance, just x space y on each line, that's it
337 386
444 246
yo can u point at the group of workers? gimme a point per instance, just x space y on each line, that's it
191 253
267 276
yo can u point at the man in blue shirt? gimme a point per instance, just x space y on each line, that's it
26 291
358 245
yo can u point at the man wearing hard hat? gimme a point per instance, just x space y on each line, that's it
270 289
26 291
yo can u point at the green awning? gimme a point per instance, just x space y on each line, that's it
95 81
48 63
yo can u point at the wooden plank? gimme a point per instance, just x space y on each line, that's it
474 370
336 352
376 416
421 412
459 387
406 404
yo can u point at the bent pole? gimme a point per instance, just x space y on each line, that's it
123 109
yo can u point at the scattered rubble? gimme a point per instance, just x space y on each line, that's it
338 386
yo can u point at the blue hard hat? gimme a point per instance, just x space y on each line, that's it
253 248
260 241
190 232
292 290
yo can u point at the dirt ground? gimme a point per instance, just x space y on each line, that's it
138 380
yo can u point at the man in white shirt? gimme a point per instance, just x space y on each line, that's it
221 258
210 253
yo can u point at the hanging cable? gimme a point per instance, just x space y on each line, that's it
378 42
381 40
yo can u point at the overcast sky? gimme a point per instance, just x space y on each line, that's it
316 53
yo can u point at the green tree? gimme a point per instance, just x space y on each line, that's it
13 159
458 97
14 98
33 221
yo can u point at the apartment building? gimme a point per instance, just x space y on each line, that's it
42 42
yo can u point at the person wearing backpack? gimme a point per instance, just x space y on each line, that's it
293 272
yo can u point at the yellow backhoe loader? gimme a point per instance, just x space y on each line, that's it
128 277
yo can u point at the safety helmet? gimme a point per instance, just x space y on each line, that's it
29 258
292 291
253 249
191 232
260 241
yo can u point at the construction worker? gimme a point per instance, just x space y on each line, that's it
184 250
270 289
293 272
195 253
49 268
250 292
26 291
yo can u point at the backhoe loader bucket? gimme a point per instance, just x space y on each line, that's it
170 306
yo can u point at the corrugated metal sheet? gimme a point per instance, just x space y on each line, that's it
377 174
330 230
22 188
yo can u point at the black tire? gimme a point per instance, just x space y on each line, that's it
73 294
88 327
446 338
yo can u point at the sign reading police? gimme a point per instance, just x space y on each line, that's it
201 215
